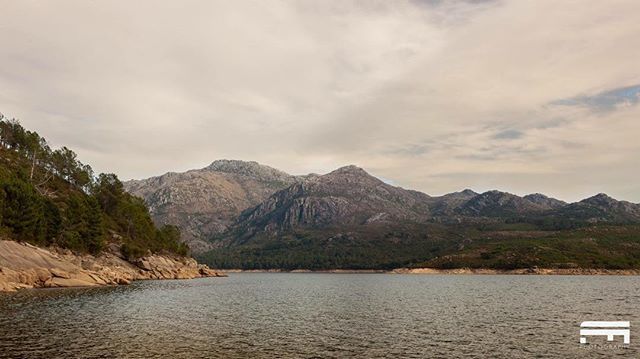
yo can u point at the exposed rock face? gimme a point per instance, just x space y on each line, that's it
205 202
348 195
498 204
250 169
446 205
544 201
600 208
26 266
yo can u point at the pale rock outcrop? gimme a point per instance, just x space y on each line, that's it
26 266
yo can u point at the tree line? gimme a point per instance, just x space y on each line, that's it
49 197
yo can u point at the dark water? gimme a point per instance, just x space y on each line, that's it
322 315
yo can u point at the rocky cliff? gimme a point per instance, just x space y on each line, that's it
26 266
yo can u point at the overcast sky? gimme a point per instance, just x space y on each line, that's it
438 96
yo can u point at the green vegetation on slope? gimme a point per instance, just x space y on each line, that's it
48 197
498 246
356 247
601 246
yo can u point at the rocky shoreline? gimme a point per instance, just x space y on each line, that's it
26 266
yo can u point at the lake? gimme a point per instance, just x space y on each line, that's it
307 315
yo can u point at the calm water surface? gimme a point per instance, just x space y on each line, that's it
275 315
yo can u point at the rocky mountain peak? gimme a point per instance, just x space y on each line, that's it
204 202
468 192
495 196
540 199
348 196
536 196
250 169
496 203
601 207
601 199
350 170
350 176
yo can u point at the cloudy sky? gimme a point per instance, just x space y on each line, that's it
521 96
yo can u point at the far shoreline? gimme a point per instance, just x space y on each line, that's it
455 271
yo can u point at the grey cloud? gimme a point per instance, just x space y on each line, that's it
552 123
508 135
502 153
435 95
411 150
606 100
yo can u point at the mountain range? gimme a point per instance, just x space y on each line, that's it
236 213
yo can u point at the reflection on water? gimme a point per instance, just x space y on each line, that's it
323 315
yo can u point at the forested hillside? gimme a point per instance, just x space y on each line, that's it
348 219
48 197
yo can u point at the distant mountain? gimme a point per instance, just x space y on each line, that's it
446 205
246 215
503 204
205 202
600 208
544 201
346 196
499 204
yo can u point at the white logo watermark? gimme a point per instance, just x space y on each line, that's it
608 329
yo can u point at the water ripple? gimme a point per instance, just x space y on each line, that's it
276 315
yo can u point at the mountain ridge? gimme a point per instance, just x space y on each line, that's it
244 214
346 196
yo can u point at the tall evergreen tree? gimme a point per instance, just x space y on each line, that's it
48 196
